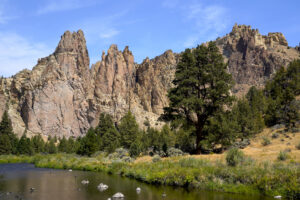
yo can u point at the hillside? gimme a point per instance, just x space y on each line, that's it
61 95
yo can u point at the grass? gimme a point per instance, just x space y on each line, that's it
266 174
248 178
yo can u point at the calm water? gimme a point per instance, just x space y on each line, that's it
17 179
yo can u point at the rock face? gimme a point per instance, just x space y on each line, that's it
253 58
61 95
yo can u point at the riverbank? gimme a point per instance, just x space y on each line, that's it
264 178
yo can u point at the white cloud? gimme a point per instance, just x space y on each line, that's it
104 29
209 21
64 5
17 53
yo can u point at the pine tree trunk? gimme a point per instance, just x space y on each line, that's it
199 137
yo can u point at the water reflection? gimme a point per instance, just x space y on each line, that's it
63 185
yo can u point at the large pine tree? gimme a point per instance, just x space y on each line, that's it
202 88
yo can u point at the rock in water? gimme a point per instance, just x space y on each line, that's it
85 182
138 190
277 197
118 196
102 187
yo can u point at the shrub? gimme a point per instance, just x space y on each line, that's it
135 149
282 156
156 158
127 159
118 154
298 146
234 157
275 135
174 152
266 141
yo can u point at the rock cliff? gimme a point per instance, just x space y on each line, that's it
62 95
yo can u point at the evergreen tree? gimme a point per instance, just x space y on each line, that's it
202 86
7 129
151 139
5 145
249 119
105 123
107 135
88 144
51 147
5 125
38 143
110 140
135 148
222 129
63 145
185 139
166 138
72 146
281 94
129 130
24 146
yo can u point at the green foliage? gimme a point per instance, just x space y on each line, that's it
135 148
156 158
281 92
63 145
185 140
151 139
265 179
24 146
107 135
6 130
235 157
72 146
38 143
248 117
282 156
128 129
111 140
5 145
5 125
166 138
201 89
50 146
88 144
266 141
221 129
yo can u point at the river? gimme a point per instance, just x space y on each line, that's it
16 181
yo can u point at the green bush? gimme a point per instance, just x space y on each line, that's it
234 157
282 156
275 135
174 152
266 141
156 158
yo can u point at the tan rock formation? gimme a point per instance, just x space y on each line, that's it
62 96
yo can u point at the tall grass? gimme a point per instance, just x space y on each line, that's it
255 178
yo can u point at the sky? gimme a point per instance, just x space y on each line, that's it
31 29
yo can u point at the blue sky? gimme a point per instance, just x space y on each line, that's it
31 29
